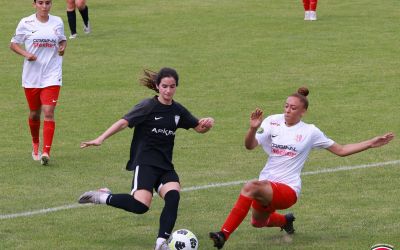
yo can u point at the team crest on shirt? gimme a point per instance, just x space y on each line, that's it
298 138
177 117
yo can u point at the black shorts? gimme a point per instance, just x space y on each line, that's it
149 178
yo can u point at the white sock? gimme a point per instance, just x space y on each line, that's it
103 197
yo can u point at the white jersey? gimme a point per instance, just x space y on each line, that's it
288 149
42 40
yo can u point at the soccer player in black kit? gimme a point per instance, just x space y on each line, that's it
155 121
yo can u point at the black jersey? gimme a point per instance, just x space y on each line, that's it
155 125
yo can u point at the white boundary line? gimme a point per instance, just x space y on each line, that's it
194 188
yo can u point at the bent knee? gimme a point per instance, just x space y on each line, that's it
251 188
142 210
81 5
138 207
172 196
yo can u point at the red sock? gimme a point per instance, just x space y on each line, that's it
237 215
48 132
313 5
306 4
34 126
276 220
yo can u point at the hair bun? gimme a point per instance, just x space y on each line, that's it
303 91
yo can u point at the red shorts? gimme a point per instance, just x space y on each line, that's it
283 197
37 97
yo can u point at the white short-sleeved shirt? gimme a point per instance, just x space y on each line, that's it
42 40
288 149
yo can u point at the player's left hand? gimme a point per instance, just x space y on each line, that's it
61 48
382 140
206 122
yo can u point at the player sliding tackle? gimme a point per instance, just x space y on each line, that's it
288 141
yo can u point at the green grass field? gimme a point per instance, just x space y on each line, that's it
232 56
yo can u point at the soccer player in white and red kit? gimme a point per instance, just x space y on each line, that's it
288 141
44 43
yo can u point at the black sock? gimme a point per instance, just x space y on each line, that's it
169 214
127 202
85 15
72 21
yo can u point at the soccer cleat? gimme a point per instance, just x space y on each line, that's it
44 159
306 15
87 28
36 155
93 196
163 246
73 36
218 238
288 227
313 16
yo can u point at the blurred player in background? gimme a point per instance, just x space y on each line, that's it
288 141
83 10
155 121
44 43
310 10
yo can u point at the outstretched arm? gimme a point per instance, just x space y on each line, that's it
256 118
348 149
204 125
115 128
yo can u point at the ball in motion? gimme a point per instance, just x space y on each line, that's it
183 239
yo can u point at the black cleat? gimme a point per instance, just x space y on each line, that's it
289 224
218 238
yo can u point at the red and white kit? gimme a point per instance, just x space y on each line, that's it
288 148
42 40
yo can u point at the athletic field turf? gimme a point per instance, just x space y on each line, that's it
232 56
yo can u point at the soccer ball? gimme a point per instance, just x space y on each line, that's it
183 239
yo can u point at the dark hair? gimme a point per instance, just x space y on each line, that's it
152 79
302 94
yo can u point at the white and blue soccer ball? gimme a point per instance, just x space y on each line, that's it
183 239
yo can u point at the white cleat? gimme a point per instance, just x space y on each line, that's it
313 16
163 246
36 157
306 15
93 196
44 159
73 36
87 28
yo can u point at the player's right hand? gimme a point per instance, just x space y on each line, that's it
256 118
